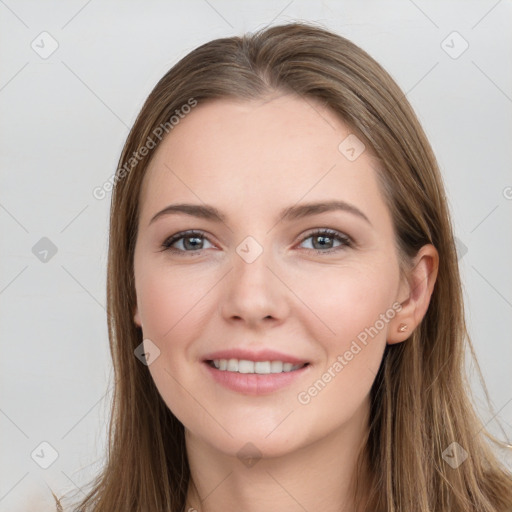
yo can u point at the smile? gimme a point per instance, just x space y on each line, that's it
257 367
254 377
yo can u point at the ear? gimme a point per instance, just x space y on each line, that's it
136 317
414 294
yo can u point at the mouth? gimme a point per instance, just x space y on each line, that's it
246 366
255 372
248 377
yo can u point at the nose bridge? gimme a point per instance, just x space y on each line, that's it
254 291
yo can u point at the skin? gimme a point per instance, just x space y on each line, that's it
251 159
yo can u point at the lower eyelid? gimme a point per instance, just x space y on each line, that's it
345 241
177 237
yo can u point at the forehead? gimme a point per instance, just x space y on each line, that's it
259 153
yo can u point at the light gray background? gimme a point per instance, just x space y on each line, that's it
63 121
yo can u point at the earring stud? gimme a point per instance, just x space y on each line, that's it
402 327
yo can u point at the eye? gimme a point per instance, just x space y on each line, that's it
186 242
191 242
323 240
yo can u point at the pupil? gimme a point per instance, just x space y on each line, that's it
320 237
192 246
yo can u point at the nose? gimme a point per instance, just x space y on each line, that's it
253 293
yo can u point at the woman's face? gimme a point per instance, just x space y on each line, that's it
266 284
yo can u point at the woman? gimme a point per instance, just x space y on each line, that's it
284 301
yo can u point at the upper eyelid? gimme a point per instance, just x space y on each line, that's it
309 233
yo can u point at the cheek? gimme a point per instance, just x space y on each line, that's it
356 308
169 302
172 307
349 301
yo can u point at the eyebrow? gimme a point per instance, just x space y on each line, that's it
295 212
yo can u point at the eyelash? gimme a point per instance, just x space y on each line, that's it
346 241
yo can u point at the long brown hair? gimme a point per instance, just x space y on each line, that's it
420 401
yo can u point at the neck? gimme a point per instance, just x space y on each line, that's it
318 476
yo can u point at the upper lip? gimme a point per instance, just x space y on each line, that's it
249 355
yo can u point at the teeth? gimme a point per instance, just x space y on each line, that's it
259 367
262 367
276 366
245 366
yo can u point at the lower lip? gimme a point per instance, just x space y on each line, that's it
254 383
